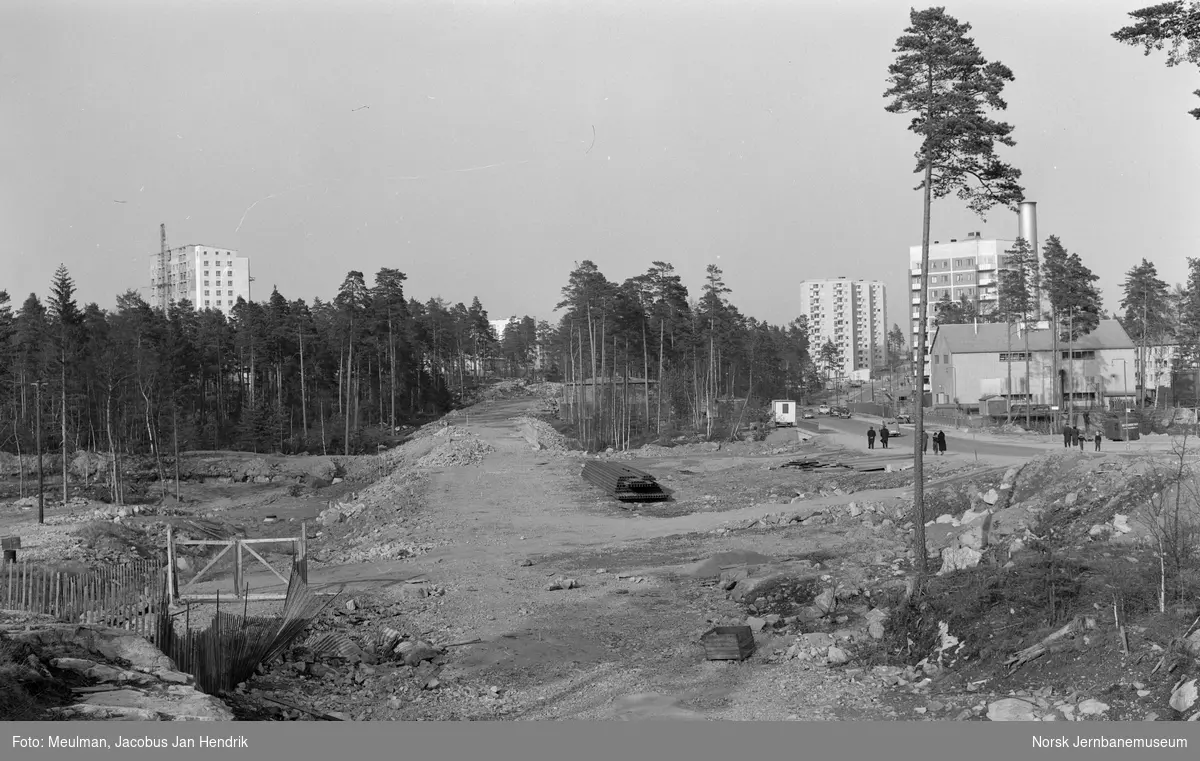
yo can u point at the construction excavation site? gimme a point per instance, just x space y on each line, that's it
486 568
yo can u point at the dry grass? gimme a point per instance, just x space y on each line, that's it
19 686
107 537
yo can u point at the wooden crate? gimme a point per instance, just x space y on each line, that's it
728 643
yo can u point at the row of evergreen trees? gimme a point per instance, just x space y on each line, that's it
286 375
274 376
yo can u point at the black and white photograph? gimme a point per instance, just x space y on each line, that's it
598 360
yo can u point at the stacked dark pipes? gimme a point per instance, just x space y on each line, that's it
624 483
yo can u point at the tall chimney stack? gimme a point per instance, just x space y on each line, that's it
1028 231
1028 222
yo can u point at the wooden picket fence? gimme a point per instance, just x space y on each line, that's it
131 596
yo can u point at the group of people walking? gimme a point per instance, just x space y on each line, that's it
1077 436
884 435
939 439
939 442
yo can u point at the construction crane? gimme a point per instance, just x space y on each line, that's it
163 265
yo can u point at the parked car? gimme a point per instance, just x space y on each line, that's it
907 419
807 415
823 409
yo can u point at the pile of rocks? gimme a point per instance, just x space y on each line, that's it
1038 706
456 451
335 514
540 434
390 550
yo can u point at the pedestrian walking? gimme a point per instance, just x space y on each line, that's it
925 442
941 437
884 435
1098 441
1082 438
871 437
1067 431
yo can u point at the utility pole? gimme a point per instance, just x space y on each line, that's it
37 385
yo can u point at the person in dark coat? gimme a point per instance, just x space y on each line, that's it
871 437
883 435
1097 441
941 437
1067 431
925 443
1082 438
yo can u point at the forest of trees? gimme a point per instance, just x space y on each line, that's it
282 375
697 354
289 376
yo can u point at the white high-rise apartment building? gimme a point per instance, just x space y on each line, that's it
211 278
967 268
851 313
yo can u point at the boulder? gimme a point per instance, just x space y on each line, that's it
826 601
958 559
1091 707
1183 697
1012 709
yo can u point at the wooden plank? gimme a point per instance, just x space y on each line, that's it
268 565
228 541
237 570
171 588
258 597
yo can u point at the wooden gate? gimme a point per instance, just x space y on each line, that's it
240 548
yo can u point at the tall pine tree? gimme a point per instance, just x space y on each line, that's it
942 81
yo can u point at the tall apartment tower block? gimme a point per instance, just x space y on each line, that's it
851 313
209 277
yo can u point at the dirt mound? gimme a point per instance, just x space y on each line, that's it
88 465
457 452
540 434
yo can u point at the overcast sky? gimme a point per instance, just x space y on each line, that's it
505 141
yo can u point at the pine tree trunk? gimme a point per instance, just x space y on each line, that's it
918 515
1008 405
646 373
63 381
1028 389
112 448
303 396
349 386
175 436
662 325
392 372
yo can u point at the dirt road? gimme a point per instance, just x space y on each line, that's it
614 647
